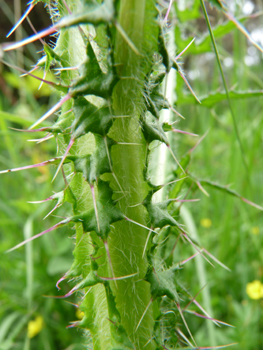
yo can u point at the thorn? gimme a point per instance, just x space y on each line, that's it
146 309
135 205
51 111
60 280
42 201
35 130
203 310
108 155
31 71
44 76
51 83
168 11
216 260
111 267
29 166
251 203
126 38
201 188
188 259
39 235
31 39
184 132
185 323
184 337
66 68
184 233
46 138
170 150
181 53
187 200
174 181
199 141
84 296
117 278
243 30
194 298
30 7
72 325
146 243
129 143
148 342
51 211
176 112
68 302
95 206
209 318
136 223
188 85
116 179
68 9
71 142
34 30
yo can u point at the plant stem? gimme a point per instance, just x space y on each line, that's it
127 241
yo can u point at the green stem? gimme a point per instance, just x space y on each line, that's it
127 241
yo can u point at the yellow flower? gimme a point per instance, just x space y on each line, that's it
35 326
206 222
255 290
80 314
255 230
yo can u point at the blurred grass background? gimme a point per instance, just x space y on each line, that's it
227 227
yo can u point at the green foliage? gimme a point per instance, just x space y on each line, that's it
126 270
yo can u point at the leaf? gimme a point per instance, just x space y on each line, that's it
216 97
96 164
212 99
203 44
158 212
92 80
108 213
163 283
152 131
89 118
228 191
154 99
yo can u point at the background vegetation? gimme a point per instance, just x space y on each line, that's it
227 227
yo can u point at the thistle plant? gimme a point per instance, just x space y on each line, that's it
112 60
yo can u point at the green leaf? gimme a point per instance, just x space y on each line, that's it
228 191
163 283
107 213
203 44
154 99
216 97
96 164
91 13
153 131
89 118
92 80
158 212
